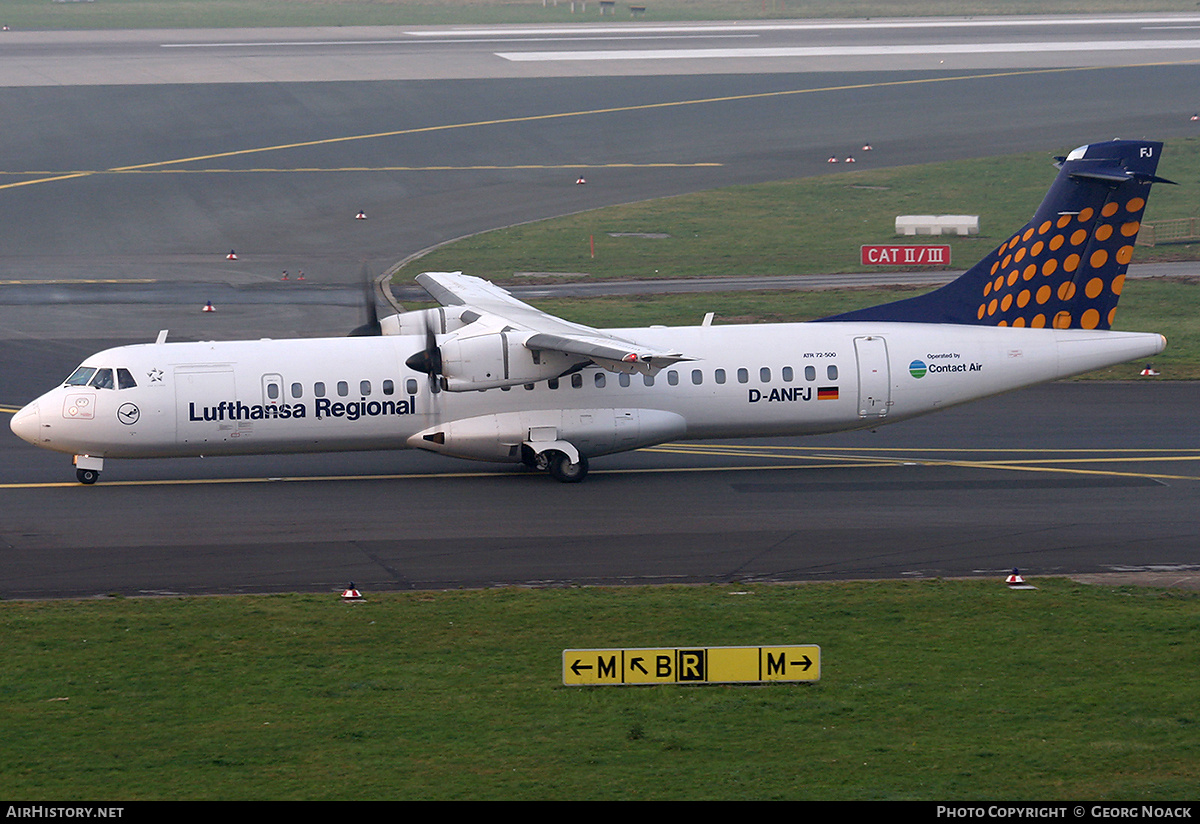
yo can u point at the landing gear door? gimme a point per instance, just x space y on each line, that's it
874 379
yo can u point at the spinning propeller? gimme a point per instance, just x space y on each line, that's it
371 327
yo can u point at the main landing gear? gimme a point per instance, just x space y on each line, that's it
561 469
559 464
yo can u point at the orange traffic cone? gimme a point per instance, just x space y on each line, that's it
352 594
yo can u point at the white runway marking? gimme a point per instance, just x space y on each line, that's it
262 44
833 25
928 49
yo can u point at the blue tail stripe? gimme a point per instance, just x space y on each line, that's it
1066 267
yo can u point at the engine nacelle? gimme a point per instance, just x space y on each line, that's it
499 359
439 320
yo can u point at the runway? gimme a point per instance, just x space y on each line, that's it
145 157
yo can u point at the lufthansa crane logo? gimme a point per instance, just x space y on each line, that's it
128 414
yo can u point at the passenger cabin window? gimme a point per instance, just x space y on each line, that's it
810 373
719 376
648 379
389 388
319 389
364 387
125 379
343 388
697 377
743 376
552 383
623 379
832 372
673 378
600 380
576 381
787 374
411 386
764 375
297 390
273 391
81 376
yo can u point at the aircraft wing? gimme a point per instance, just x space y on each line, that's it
549 332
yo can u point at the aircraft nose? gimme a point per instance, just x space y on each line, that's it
26 422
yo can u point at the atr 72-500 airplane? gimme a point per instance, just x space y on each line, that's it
490 378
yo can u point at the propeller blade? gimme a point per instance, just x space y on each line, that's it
371 327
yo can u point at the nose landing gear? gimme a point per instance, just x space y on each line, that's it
87 468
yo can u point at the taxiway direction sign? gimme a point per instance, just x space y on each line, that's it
691 665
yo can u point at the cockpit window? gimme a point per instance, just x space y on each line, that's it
102 380
125 379
81 376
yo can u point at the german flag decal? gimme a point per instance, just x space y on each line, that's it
827 393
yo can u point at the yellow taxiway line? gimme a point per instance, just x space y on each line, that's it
803 458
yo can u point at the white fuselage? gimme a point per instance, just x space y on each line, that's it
356 393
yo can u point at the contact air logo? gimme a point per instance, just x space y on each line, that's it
917 369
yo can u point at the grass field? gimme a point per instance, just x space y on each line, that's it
148 14
805 226
946 690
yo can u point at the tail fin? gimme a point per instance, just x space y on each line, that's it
1066 267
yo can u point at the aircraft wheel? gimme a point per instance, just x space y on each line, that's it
87 476
533 461
561 468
